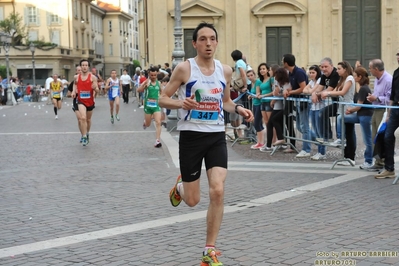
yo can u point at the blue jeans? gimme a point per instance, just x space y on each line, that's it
365 125
389 139
315 131
302 124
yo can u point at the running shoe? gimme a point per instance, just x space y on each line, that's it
144 126
84 141
117 117
56 117
157 144
210 258
81 139
174 196
112 119
88 138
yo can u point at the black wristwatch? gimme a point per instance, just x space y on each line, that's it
236 107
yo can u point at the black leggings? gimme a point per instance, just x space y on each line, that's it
276 122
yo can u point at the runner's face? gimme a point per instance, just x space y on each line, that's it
85 67
397 55
113 74
153 76
206 43
78 70
55 77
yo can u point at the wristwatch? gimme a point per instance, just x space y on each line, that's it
236 107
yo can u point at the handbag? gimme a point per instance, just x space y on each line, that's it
237 84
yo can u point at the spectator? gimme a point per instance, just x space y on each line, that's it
346 89
362 115
281 83
380 97
256 109
264 89
314 76
328 82
298 80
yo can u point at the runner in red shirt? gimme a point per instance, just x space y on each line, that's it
84 87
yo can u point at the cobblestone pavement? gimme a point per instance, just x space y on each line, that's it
107 203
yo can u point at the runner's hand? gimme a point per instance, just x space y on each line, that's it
190 103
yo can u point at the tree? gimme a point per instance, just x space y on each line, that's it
14 26
136 64
3 72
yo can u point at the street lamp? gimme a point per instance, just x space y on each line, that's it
6 40
178 52
32 48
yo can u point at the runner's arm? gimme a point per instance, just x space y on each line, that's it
74 86
94 84
179 77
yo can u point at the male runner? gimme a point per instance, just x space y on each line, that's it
203 85
152 90
113 86
75 108
84 87
56 88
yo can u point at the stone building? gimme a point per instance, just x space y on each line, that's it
266 29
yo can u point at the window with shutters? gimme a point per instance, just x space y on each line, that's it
54 18
32 35
32 14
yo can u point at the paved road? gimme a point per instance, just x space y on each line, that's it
107 203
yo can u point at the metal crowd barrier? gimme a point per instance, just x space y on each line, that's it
321 134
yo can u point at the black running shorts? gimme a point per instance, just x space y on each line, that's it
195 146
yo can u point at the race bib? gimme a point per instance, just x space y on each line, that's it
84 95
56 94
151 103
207 112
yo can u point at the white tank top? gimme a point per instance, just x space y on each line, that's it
208 91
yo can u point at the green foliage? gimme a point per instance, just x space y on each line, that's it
3 72
14 25
136 64
42 43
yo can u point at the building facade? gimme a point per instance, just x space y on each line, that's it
264 30
81 29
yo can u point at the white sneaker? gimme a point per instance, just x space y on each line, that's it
365 166
266 149
318 156
56 117
347 163
302 154
336 143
